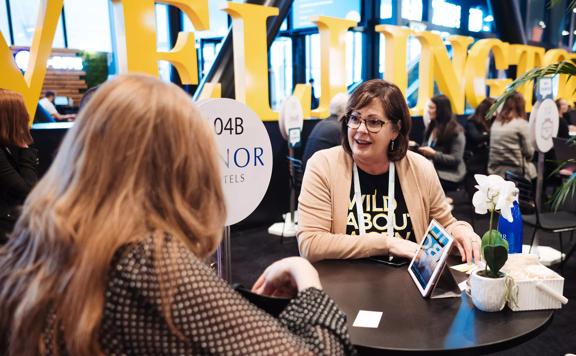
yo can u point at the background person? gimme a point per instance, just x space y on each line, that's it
87 96
314 100
477 132
444 143
510 146
563 129
18 161
478 138
326 133
375 138
47 102
108 255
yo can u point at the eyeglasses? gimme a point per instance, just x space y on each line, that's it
354 120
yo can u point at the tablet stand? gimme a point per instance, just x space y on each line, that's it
446 287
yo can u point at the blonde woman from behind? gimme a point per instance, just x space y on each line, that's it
108 255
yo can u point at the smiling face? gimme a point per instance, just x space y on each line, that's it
370 150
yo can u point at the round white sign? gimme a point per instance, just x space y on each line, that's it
290 116
245 155
545 122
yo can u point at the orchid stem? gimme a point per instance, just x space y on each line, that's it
490 238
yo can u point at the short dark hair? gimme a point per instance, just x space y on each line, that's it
49 93
394 107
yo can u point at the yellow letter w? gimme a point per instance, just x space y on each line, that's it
30 85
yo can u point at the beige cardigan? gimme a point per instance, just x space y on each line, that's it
325 195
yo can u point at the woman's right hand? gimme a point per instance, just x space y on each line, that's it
286 277
400 247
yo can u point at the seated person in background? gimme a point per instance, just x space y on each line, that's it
108 254
87 96
41 115
326 133
343 204
47 102
563 130
444 143
314 101
552 181
510 145
18 161
478 137
571 115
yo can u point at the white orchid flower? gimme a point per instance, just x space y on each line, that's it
508 194
494 194
485 198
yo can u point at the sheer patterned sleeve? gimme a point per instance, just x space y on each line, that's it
210 317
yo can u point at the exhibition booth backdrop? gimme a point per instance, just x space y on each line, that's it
463 76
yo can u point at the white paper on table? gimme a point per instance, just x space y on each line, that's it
367 319
466 268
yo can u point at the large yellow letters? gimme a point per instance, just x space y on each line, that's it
435 64
477 67
250 56
396 39
526 57
333 67
136 34
30 85
136 37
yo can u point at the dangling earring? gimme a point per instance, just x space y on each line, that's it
391 145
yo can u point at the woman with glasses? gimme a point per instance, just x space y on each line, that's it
370 196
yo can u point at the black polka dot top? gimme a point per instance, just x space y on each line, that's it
209 315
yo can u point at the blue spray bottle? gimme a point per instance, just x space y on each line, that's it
512 231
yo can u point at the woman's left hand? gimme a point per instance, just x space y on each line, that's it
469 246
427 151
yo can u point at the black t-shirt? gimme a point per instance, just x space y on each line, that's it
374 189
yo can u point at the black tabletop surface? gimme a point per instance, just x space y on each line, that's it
415 324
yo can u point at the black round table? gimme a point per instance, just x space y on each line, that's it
411 323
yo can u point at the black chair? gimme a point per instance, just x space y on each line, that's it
555 222
42 115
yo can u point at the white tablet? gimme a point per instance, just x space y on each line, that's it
428 264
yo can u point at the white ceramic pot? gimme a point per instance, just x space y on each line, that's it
488 294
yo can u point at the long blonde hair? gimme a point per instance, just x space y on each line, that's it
139 162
